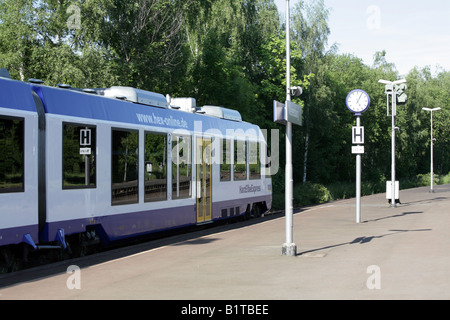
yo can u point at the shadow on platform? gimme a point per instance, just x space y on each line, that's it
363 240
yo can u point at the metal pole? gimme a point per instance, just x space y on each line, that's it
394 113
358 179
432 167
390 86
87 171
432 147
289 247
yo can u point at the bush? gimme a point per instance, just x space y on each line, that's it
278 201
444 179
311 193
423 180
342 190
315 193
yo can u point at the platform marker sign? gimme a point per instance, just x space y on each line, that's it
85 151
85 141
287 112
358 135
358 150
85 137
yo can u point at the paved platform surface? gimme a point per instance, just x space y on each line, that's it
395 253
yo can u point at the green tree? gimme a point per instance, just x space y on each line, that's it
17 36
143 38
310 32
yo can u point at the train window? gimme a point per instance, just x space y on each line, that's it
181 166
79 160
125 166
255 162
12 159
240 159
155 171
225 160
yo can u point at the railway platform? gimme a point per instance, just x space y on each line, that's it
394 253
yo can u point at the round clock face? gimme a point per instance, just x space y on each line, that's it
358 101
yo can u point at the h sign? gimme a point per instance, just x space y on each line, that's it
85 137
358 135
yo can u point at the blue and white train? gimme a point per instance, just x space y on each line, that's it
120 162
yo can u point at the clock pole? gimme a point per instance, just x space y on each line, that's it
358 175
358 101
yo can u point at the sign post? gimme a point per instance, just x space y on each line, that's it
358 151
85 144
288 114
358 102
432 142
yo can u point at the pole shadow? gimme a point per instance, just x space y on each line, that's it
393 216
364 240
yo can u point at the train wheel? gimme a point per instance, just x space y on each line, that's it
85 243
78 245
256 210
8 261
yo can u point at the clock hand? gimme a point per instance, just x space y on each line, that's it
359 97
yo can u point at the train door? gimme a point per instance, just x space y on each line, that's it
204 179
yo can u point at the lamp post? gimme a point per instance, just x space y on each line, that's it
289 247
432 142
391 90
288 114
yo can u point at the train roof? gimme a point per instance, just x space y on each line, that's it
137 96
222 113
134 106
16 95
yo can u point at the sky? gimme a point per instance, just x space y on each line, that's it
413 33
